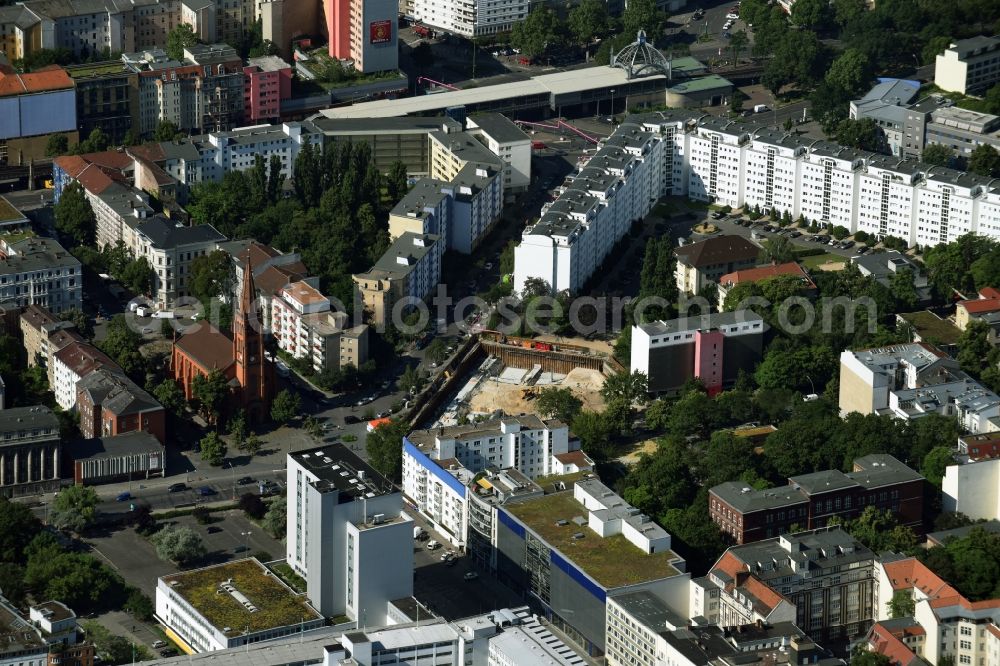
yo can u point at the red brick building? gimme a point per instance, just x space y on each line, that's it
980 447
109 403
240 359
809 501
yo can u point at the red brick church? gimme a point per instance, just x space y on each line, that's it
241 360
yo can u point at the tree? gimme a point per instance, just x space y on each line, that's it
210 391
74 508
285 407
985 161
253 444
588 21
738 43
851 72
167 130
412 379
385 448
275 178
437 350
861 656
210 276
138 276
778 250
132 137
643 15
275 518
80 321
180 545
863 134
179 39
937 154
812 14
56 145
594 431
540 31
628 387
95 142
121 343
253 506
139 605
559 403
18 526
74 216
170 395
397 181
801 368
737 100
903 290
238 429
901 604
934 464
213 449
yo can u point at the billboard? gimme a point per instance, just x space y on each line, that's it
380 32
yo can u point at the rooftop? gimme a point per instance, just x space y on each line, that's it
650 610
771 559
765 273
338 468
717 250
130 443
36 254
42 80
271 603
166 234
17 420
427 438
89 70
499 127
207 346
403 254
303 293
9 213
612 561
270 63
931 328
703 323
17 637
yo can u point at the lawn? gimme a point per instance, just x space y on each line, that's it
818 260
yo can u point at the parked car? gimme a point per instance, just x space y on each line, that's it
245 480
205 491
213 529
433 545
124 497
176 487
731 16
240 549
847 244
159 644
350 419
168 652
471 575
795 234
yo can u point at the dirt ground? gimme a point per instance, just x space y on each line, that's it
632 457
597 345
492 395
832 266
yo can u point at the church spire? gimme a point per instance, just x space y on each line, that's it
254 372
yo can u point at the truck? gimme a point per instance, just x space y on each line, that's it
760 108
418 532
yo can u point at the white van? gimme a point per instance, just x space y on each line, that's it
760 108
433 545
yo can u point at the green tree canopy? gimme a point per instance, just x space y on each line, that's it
285 407
937 154
985 161
74 216
559 403
213 449
539 32
210 391
643 15
385 448
589 20
179 39
851 71
56 145
863 134
74 508
211 276
180 545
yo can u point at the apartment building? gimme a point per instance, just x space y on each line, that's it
952 627
788 270
986 307
509 142
821 580
969 66
810 501
741 164
170 249
347 534
71 364
573 550
440 464
209 157
470 18
198 606
406 274
886 104
911 380
704 263
38 327
106 99
39 271
30 450
304 326
268 81
33 106
202 93
714 348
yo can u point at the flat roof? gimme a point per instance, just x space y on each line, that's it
649 609
611 561
499 127
338 468
931 328
703 322
570 81
274 604
23 419
9 213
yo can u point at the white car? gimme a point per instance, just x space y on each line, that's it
732 17
727 25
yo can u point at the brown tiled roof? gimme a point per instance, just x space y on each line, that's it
717 250
303 293
82 358
36 316
765 272
979 305
273 278
52 77
208 347
578 458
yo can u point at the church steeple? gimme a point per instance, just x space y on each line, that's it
254 372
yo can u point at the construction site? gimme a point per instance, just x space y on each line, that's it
495 372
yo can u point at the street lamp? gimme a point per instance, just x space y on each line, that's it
246 539
233 470
612 103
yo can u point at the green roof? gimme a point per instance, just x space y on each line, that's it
9 213
611 561
932 328
276 604
96 69
710 82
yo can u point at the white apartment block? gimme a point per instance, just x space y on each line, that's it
969 66
347 534
973 488
439 464
510 143
470 18
209 157
742 165
170 248
39 271
303 325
